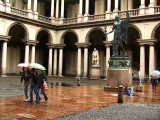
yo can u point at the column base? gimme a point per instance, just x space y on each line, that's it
3 75
35 14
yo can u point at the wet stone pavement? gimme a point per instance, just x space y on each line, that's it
71 102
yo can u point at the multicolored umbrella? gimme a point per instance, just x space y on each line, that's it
37 66
155 74
23 65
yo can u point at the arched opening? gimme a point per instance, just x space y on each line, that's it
134 49
70 55
16 49
157 48
96 38
42 51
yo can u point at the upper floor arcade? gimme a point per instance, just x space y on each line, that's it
60 12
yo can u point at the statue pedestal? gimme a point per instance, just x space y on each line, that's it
119 73
95 72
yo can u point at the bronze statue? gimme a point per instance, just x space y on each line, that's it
120 29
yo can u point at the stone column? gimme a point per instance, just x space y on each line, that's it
57 9
130 4
29 5
79 62
33 54
4 58
108 15
52 9
50 62
116 6
1 6
30 15
8 6
151 59
152 3
35 10
60 61
85 72
80 11
86 11
62 9
142 61
151 6
142 4
80 7
87 7
26 60
108 5
55 62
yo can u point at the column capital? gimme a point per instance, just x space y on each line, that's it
84 45
30 42
60 46
147 41
5 38
107 43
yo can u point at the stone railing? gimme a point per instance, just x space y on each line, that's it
157 9
132 13
70 20
91 18
44 19
96 17
18 12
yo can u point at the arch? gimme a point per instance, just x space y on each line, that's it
62 37
87 35
48 32
139 31
154 30
22 25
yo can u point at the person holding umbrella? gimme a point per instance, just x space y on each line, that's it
25 76
41 78
154 79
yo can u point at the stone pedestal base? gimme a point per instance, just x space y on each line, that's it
95 72
119 73
110 89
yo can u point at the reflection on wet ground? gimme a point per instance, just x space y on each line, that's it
69 100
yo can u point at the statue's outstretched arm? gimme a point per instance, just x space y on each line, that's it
110 31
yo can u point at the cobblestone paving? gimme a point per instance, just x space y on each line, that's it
126 111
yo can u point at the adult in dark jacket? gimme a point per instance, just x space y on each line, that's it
26 77
154 83
41 78
34 85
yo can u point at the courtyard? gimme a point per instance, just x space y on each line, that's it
88 101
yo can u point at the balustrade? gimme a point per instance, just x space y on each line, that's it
101 17
96 17
44 19
18 12
70 21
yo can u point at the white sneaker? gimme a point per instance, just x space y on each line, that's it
26 100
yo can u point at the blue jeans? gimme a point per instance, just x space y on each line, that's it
44 94
36 90
26 84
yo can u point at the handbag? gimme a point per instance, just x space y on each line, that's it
45 87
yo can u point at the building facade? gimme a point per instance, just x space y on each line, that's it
61 34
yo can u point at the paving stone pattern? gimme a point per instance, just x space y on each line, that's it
126 111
